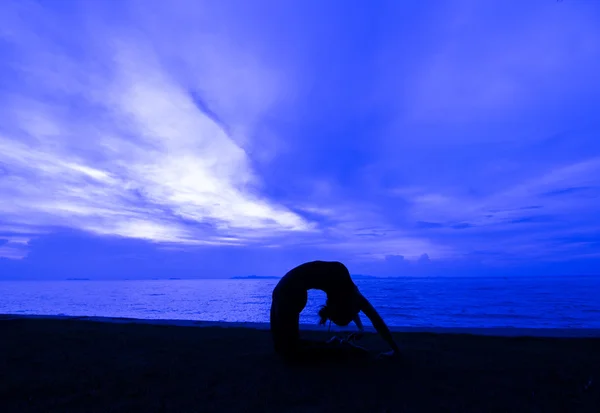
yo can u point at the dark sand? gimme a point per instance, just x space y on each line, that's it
79 366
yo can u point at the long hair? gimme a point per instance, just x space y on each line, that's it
323 315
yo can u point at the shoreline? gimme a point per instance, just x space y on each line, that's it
476 331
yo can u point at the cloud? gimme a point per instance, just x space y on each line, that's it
145 161
462 225
161 145
489 70
570 191
512 203
426 225
209 127
424 259
520 220
13 247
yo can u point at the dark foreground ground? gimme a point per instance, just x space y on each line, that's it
77 366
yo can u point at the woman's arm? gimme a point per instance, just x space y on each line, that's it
377 322
359 323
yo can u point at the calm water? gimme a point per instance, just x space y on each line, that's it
423 302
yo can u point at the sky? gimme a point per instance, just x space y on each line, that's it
191 138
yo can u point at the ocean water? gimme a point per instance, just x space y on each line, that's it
551 302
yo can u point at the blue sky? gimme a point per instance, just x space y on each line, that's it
212 139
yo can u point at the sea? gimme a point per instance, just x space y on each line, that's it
486 302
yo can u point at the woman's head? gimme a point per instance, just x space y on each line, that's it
341 309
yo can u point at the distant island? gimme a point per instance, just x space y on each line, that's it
264 277
78 279
362 276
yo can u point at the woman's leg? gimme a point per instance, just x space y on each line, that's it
285 328
285 332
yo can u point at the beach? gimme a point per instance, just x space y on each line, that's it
72 365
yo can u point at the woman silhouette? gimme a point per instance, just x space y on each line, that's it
344 302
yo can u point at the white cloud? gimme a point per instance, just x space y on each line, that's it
137 158
7 251
13 247
146 126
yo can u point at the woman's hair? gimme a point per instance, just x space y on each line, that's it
323 315
332 310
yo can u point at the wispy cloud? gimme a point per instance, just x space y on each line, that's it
523 219
526 199
200 124
154 165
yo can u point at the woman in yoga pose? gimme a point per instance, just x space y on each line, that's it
344 302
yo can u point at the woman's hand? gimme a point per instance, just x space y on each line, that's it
389 355
355 336
378 323
350 338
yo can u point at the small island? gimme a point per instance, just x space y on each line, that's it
266 277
